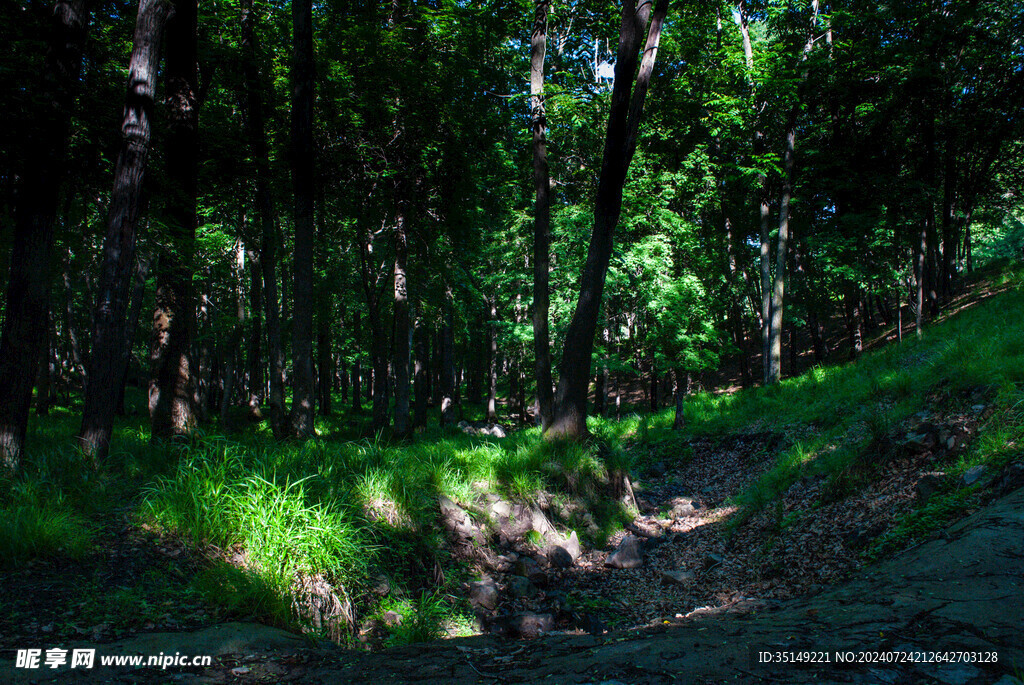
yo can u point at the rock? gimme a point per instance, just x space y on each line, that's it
521 588
590 624
532 625
954 674
526 567
1013 477
392 618
501 509
677 577
928 484
572 546
457 521
978 408
483 593
540 522
495 431
558 556
381 584
683 510
464 426
974 474
712 560
628 554
657 469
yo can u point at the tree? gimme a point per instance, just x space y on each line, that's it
570 418
28 287
108 358
302 180
171 383
542 217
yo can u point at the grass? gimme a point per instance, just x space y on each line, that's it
339 512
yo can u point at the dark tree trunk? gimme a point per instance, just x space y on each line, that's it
302 180
108 336
449 411
682 383
570 418
134 316
422 372
654 388
402 337
256 133
779 286
44 377
542 217
854 323
357 371
255 346
325 374
28 286
234 342
171 407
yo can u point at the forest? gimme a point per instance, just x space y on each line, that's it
386 322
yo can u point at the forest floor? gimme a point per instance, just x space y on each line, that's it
956 594
771 520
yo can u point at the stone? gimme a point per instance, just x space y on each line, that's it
526 567
683 510
392 618
501 509
540 522
677 577
521 588
483 593
532 625
628 554
928 484
712 560
658 469
572 546
495 431
558 556
381 584
1013 477
974 474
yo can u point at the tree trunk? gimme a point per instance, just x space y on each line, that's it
233 347
325 374
449 412
256 133
28 286
402 337
302 180
779 287
108 336
134 316
682 382
255 346
170 386
357 370
492 363
570 418
421 337
542 217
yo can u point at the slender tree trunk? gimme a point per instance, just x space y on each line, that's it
681 388
235 338
170 387
779 288
325 359
449 412
357 371
492 363
620 144
255 346
134 316
402 337
421 337
302 179
108 336
542 217
255 129
28 286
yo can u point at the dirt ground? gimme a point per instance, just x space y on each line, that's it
948 611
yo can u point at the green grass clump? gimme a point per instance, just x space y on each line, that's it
35 530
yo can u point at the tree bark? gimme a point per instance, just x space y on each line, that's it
779 286
449 413
231 351
570 418
255 347
171 406
492 363
542 217
108 336
402 336
302 180
28 286
255 130
134 316
421 338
